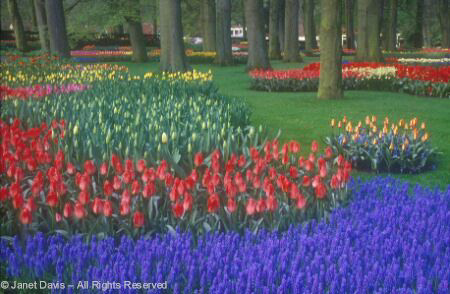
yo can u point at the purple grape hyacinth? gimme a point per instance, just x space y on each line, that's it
392 238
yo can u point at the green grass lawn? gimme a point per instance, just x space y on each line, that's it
301 116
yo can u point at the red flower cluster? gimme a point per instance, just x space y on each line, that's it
312 71
256 183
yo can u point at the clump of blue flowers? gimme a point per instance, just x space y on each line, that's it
393 238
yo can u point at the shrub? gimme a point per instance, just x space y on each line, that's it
385 241
403 147
257 187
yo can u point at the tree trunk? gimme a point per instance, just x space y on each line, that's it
41 18
330 81
137 38
444 23
368 39
33 16
274 44
223 33
427 23
349 23
57 28
291 50
257 51
244 21
19 31
172 47
391 30
209 25
417 37
373 31
281 25
310 30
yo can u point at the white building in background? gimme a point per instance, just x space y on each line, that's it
237 32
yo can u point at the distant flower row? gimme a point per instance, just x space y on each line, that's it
418 80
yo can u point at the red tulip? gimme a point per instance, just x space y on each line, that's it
25 216
80 212
124 208
89 167
138 219
198 159
67 210
241 161
231 205
117 183
178 209
52 199
188 201
213 203
84 197
107 188
149 190
135 187
107 208
58 217
104 169
293 172
306 181
272 203
141 166
250 208
97 206
321 191
294 146
261 205
328 152
301 201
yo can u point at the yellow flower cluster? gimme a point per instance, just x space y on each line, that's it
189 53
187 76
65 74
374 134
369 72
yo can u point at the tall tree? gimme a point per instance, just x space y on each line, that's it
137 38
56 22
310 29
368 39
417 36
274 44
33 16
349 24
41 19
291 48
257 49
427 23
19 31
209 25
172 47
223 33
391 26
444 23
244 21
330 81
281 25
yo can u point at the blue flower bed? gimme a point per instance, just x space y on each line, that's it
392 238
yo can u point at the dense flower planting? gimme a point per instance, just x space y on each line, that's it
39 91
402 147
386 241
129 117
418 80
267 188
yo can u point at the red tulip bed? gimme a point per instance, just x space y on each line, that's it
267 188
418 80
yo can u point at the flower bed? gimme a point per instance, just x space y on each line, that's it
382 242
258 188
417 80
39 91
402 147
